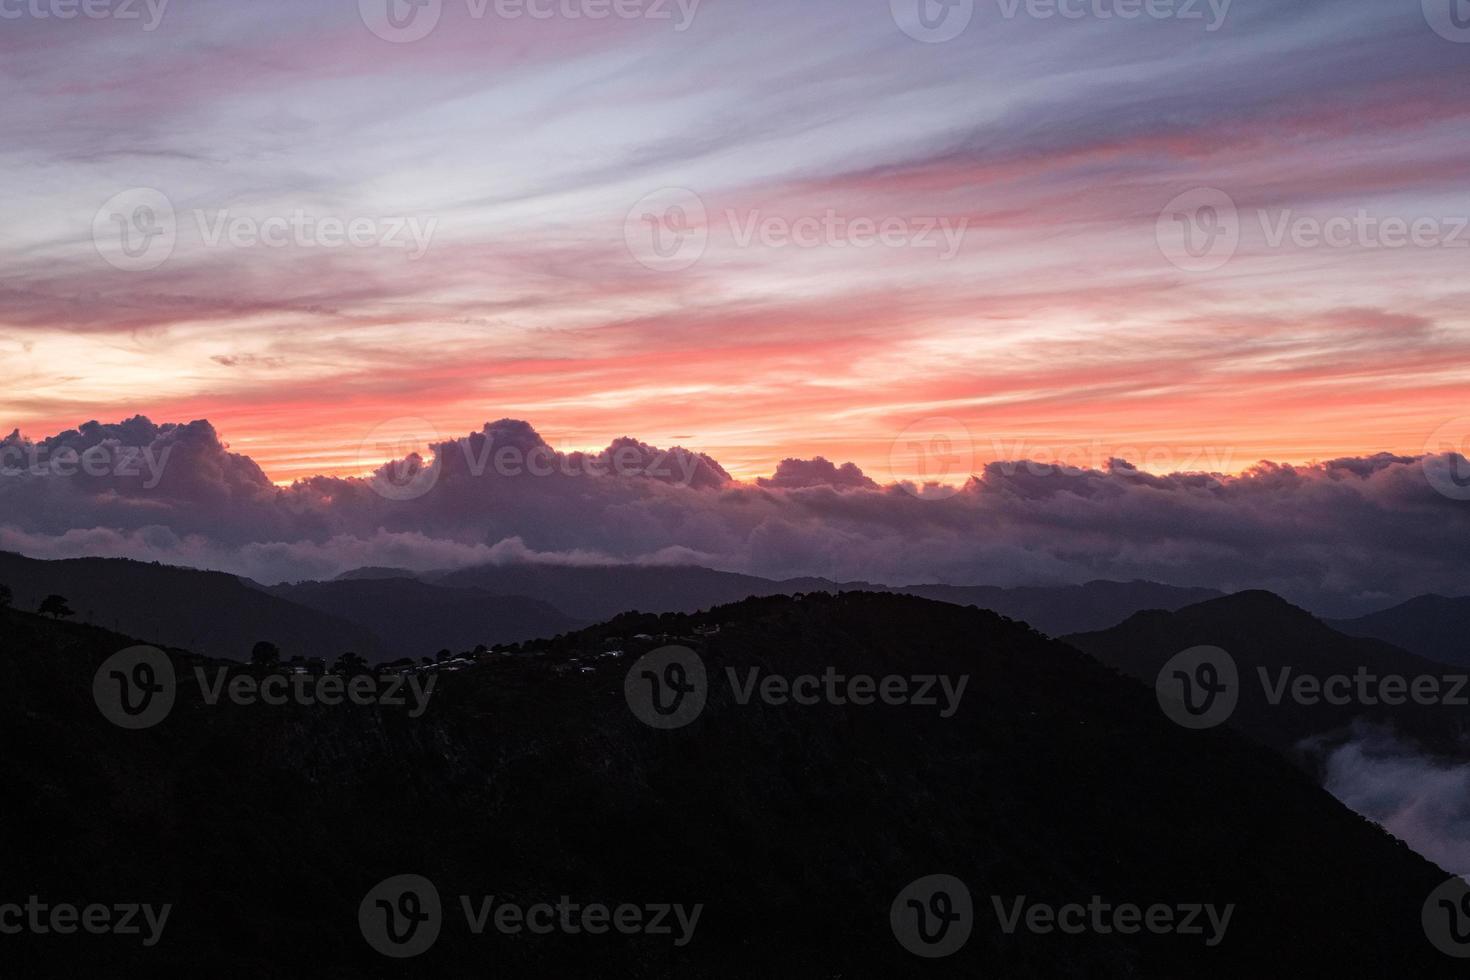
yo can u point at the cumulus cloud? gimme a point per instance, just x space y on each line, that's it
795 473
1332 536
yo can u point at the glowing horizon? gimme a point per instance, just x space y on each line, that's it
858 232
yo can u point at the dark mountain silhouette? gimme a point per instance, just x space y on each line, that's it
796 826
413 618
209 612
1433 626
224 616
597 592
374 572
1058 610
1263 631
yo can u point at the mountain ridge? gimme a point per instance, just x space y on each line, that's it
529 778
1431 625
1264 632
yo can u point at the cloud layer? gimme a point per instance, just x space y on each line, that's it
1422 801
1054 144
1335 536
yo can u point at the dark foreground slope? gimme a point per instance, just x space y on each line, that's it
795 826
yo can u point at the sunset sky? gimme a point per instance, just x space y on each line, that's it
877 231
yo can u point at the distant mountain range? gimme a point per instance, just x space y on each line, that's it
388 613
1070 608
220 615
1432 626
1262 631
410 616
211 613
794 826
597 592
